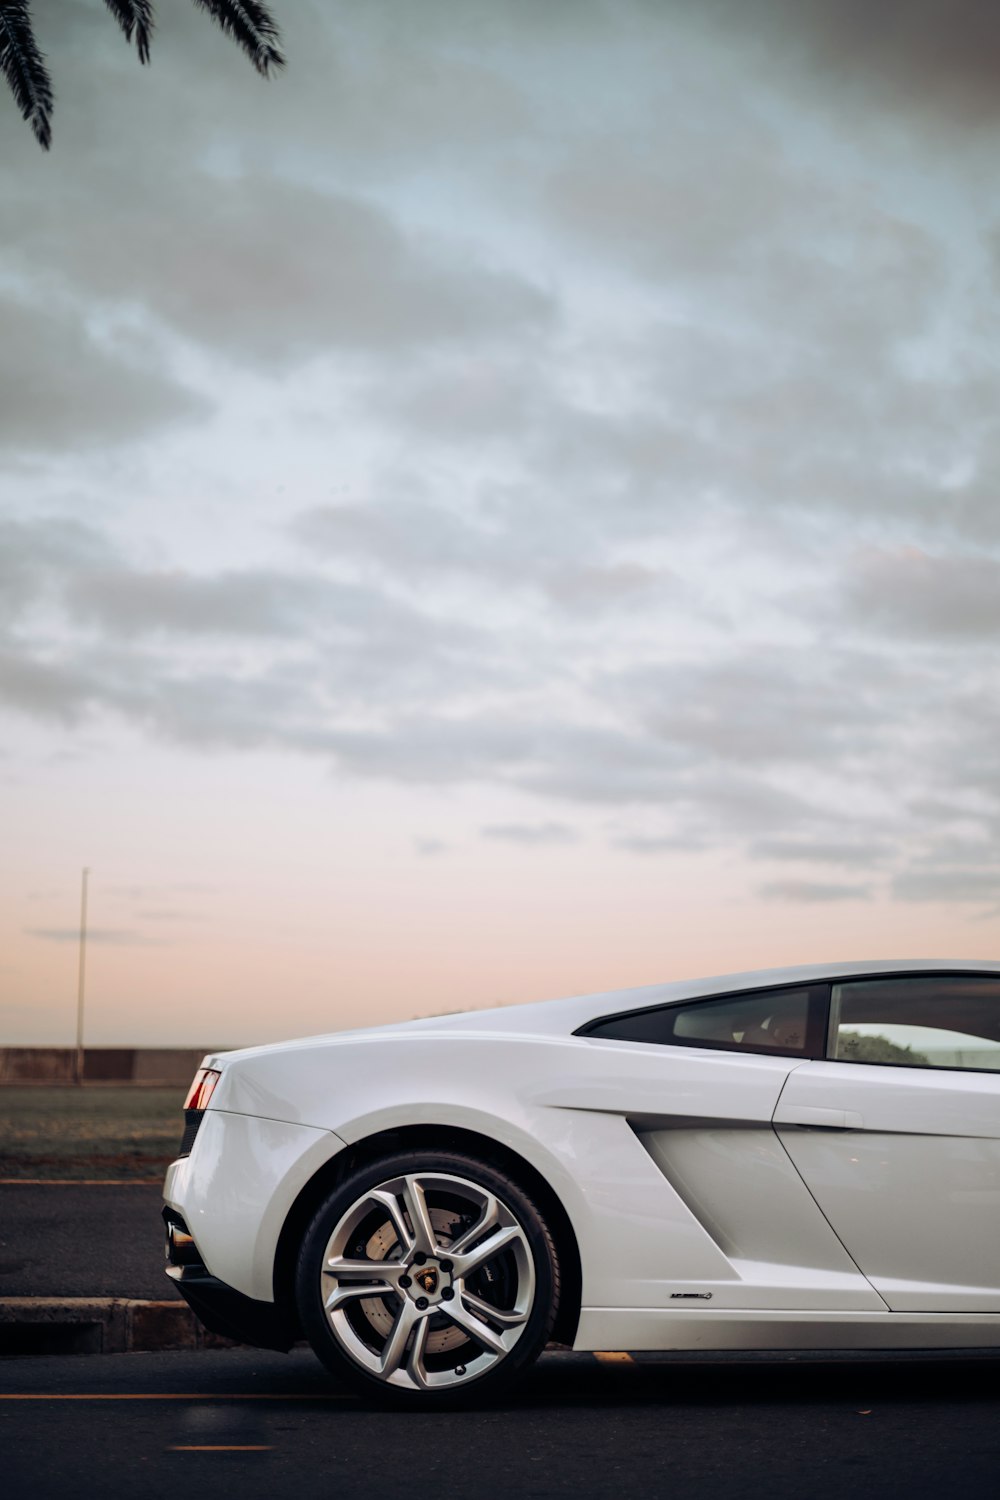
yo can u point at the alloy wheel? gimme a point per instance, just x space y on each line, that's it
427 1281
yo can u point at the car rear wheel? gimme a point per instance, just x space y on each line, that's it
428 1277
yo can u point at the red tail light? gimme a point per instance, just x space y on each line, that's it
202 1089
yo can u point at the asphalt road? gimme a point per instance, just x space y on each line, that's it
80 1241
269 1426
722 1429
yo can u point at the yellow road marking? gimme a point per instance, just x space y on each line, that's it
81 1181
177 1396
613 1357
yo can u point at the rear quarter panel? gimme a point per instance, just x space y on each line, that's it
563 1104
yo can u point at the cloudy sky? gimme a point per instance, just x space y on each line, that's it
506 508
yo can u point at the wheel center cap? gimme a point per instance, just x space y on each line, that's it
429 1282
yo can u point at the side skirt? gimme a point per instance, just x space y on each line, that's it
654 1328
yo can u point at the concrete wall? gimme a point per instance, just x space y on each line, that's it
151 1065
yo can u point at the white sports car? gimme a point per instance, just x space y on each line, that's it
795 1159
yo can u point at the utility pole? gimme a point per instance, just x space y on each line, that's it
78 1070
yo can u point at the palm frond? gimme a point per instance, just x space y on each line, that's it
251 27
24 68
134 16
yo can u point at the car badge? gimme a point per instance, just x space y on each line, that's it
428 1279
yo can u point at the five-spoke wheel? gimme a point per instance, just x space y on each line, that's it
426 1273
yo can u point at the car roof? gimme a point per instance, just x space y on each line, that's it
549 1017
562 1017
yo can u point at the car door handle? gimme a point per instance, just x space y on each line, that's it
818 1115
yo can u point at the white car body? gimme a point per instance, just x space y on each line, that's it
718 1199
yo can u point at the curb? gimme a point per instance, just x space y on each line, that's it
111 1325
100 1325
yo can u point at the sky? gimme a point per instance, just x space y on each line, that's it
506 508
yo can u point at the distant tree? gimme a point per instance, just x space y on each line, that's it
853 1046
247 22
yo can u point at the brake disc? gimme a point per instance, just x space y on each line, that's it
381 1311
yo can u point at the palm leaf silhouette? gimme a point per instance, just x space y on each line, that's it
134 16
248 23
24 68
251 27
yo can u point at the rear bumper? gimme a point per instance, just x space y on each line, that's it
237 1188
221 1308
225 1311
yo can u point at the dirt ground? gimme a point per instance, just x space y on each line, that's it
119 1132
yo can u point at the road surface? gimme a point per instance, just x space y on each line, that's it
79 1241
267 1426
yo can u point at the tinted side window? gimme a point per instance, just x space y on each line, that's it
789 1022
918 1021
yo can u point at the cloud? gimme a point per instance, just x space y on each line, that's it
928 57
772 751
662 213
413 538
651 844
936 598
160 914
390 84
530 834
62 389
251 657
631 376
149 892
49 544
271 271
799 392
774 705
813 891
860 853
590 588
947 884
42 689
763 303
115 937
245 603
251 224
408 534
430 848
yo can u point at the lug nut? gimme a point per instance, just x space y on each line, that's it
405 1281
421 1303
447 1294
446 1265
419 1258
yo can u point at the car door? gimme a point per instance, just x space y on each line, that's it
897 1136
698 1082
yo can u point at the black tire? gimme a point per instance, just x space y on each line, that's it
511 1295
